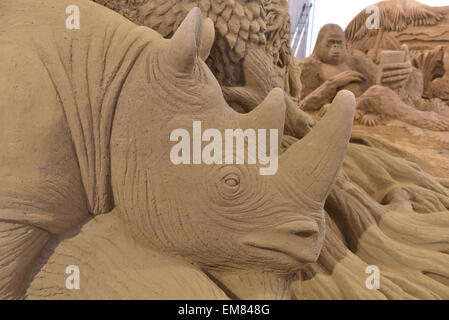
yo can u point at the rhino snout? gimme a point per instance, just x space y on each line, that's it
295 243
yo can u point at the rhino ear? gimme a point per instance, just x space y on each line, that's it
184 48
208 38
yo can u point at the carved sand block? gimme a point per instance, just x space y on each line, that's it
440 86
389 57
421 27
86 177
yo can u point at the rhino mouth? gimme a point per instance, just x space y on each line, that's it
300 242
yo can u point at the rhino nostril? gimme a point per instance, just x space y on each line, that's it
303 228
304 234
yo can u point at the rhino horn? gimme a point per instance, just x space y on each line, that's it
315 161
185 45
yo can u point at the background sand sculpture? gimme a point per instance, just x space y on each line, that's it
424 30
389 91
383 210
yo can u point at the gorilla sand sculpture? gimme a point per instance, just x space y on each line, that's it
330 69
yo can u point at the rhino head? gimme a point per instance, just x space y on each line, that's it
224 216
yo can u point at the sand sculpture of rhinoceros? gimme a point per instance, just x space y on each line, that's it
86 178
383 211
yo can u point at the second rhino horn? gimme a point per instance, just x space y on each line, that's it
185 44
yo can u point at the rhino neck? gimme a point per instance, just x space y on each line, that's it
88 68
253 284
113 265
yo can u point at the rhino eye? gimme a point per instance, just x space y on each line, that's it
232 180
229 186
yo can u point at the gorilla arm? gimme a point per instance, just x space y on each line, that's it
315 92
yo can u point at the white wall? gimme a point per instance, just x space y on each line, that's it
299 39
